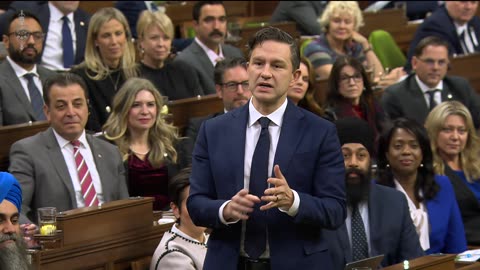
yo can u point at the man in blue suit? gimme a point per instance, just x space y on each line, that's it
385 217
305 192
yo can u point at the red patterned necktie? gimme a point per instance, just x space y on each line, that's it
88 190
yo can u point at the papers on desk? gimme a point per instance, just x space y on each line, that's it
468 256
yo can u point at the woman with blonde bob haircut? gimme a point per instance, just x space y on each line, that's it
146 141
456 149
109 61
176 80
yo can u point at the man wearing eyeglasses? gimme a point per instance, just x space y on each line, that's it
21 88
231 85
421 91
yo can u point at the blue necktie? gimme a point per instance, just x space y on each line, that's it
35 98
256 227
67 43
359 238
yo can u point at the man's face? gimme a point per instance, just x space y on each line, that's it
24 42
431 66
211 27
357 172
12 247
271 73
66 7
67 111
235 90
461 11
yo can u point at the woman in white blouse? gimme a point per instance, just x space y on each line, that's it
405 163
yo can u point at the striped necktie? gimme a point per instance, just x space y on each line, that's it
86 183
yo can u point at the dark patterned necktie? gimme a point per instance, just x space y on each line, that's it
359 238
36 98
431 94
67 43
256 227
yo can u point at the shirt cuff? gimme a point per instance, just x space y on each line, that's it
294 208
220 214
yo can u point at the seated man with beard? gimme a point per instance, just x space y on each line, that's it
378 220
12 247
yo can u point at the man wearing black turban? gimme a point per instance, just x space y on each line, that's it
12 247
385 219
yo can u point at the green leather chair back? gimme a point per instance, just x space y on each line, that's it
387 49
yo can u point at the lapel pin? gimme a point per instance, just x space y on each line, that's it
449 96
99 155
82 23
108 109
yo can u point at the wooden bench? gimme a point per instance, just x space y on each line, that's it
466 66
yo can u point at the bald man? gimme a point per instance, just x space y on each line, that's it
12 247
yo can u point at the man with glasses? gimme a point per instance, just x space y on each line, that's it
231 85
21 88
429 85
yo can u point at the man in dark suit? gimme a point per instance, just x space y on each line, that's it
267 203
21 88
416 95
231 84
46 164
382 212
210 23
50 14
456 23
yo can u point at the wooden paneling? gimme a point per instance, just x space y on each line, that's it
430 262
466 66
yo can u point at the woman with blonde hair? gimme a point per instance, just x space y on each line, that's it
146 141
455 148
176 80
109 61
340 22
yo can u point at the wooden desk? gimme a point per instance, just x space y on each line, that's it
107 237
383 19
184 109
13 133
429 262
466 66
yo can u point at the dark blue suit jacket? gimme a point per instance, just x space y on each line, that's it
309 156
440 24
392 232
41 10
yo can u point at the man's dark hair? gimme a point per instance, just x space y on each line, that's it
198 6
430 41
275 34
63 79
18 14
225 64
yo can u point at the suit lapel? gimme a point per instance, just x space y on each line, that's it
446 93
418 102
204 60
102 169
290 136
44 20
342 236
80 32
374 218
239 131
13 83
59 164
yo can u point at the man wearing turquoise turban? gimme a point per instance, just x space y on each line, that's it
12 246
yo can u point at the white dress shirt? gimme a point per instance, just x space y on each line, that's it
52 57
86 151
20 72
437 96
467 42
213 56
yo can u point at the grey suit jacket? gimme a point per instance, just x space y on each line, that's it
15 107
392 232
406 99
196 57
38 164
